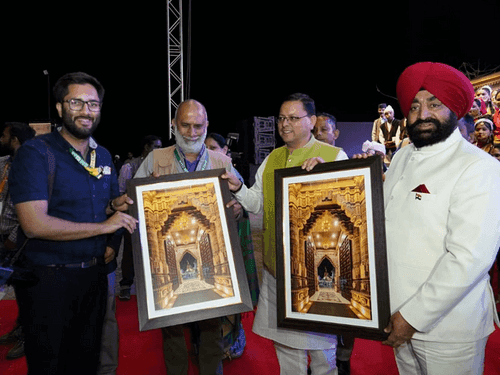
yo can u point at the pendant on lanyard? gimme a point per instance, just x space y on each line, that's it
183 165
93 171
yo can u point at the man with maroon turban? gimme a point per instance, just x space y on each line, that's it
442 210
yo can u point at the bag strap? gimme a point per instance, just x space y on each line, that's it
52 171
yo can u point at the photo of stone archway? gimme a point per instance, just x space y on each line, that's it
187 252
329 262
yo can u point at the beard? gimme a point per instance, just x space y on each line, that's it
427 137
80 132
189 147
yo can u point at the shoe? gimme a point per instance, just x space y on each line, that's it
344 367
124 294
17 350
12 336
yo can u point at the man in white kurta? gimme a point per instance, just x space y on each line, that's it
295 123
442 209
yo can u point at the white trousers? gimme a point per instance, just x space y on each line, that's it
294 361
441 358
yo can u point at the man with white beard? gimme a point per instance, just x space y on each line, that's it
189 154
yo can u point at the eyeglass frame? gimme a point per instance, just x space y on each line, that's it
291 119
83 103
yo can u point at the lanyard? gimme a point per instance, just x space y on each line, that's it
183 165
93 171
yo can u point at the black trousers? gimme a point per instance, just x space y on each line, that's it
62 316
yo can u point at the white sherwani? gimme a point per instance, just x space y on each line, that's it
441 244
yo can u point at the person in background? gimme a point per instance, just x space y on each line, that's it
484 133
484 95
495 152
128 170
390 133
217 143
13 136
495 99
466 127
475 110
379 121
325 129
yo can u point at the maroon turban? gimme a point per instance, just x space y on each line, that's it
446 83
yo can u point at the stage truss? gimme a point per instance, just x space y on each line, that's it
175 58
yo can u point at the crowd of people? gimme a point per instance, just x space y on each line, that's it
480 126
64 203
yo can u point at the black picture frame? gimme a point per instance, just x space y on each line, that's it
187 257
331 249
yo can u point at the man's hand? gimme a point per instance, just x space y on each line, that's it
109 255
237 209
233 181
400 331
120 220
309 164
122 203
361 156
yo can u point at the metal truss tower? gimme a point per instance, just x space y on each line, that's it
175 58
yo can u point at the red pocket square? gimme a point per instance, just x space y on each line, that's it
421 189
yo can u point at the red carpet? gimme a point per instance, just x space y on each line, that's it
141 352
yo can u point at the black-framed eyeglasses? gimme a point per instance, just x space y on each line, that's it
291 119
77 105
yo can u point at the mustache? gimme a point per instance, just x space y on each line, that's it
427 120
84 118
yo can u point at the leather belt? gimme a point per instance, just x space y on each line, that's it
88 264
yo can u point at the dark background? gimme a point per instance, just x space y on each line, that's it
245 56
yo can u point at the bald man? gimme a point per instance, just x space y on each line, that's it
442 209
189 154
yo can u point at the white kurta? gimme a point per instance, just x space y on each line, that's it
265 323
442 244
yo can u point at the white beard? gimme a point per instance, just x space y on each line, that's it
189 147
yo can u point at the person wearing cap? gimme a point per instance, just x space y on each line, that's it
390 132
442 210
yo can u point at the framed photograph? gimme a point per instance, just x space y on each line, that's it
331 249
187 256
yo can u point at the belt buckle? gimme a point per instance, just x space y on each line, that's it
90 263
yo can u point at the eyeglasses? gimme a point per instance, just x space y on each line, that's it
77 105
291 119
